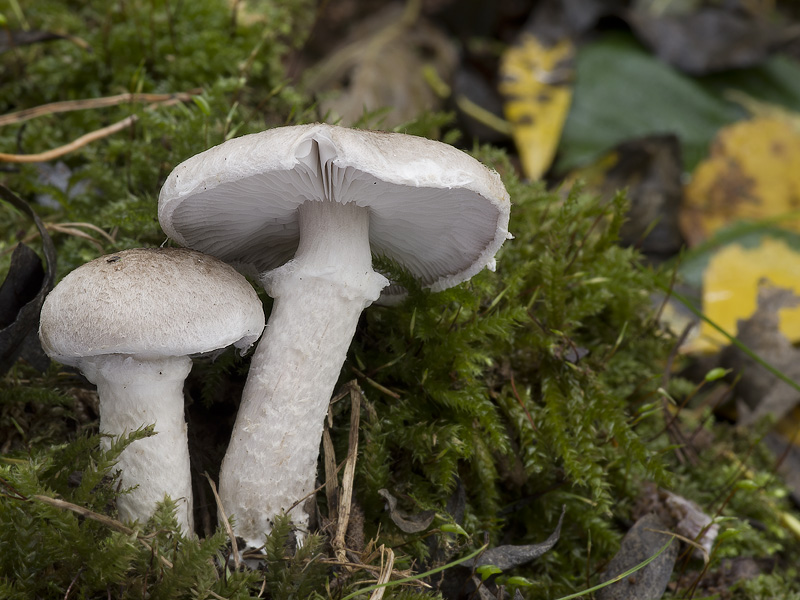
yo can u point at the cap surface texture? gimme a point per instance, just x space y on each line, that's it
433 208
149 302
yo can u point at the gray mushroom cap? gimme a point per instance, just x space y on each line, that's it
434 209
151 303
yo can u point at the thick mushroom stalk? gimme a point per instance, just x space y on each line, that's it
271 462
134 393
320 197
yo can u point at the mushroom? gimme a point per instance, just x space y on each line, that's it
129 321
304 208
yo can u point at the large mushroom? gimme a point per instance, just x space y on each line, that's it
304 208
130 321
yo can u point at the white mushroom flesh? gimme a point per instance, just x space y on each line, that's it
136 393
271 461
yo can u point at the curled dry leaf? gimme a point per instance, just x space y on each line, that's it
22 294
509 557
407 523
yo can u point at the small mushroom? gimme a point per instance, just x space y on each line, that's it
130 321
304 208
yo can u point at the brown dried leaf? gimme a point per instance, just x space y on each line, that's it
407 523
759 391
642 541
711 39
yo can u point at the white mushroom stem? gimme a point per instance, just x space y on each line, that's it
134 393
271 461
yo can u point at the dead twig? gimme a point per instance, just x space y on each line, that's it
73 145
58 107
54 108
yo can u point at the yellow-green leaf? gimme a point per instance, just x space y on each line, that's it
730 289
535 82
751 174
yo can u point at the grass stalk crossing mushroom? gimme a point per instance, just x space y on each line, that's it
304 208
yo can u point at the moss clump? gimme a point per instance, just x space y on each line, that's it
523 384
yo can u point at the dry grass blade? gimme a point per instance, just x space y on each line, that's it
224 520
76 233
376 385
54 108
69 229
92 227
73 145
107 521
331 480
386 574
346 494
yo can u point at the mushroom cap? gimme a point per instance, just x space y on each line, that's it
151 303
434 209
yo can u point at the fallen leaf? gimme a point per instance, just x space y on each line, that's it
650 169
508 556
407 523
681 515
751 174
730 290
709 39
642 541
536 83
381 69
22 295
760 392
624 92
556 19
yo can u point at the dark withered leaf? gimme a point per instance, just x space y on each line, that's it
651 169
760 392
457 502
407 523
508 557
709 40
642 541
555 19
22 283
22 294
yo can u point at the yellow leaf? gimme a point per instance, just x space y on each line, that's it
535 81
753 173
730 289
